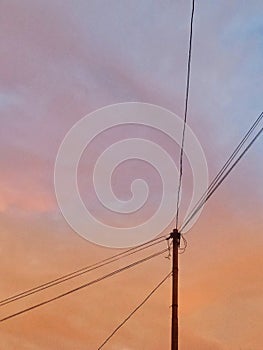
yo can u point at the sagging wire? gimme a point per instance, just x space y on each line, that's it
183 249
169 246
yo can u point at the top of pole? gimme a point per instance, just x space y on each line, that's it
176 235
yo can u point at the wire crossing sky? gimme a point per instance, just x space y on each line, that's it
135 310
185 115
223 173
82 271
62 60
62 295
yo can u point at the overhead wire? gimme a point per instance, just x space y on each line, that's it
82 271
85 285
134 311
181 250
206 197
217 181
225 171
185 115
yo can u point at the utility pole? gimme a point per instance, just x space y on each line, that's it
175 236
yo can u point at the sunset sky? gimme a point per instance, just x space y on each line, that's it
61 60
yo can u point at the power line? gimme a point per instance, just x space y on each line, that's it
153 255
222 177
176 235
216 184
224 168
181 250
185 112
111 274
82 271
134 311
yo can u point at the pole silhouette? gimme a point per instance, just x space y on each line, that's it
175 236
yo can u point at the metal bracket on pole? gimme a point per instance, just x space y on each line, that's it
175 235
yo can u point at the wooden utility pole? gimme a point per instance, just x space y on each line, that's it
175 236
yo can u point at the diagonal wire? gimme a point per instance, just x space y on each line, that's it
134 311
221 180
111 274
82 271
221 172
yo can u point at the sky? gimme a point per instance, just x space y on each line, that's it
59 61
